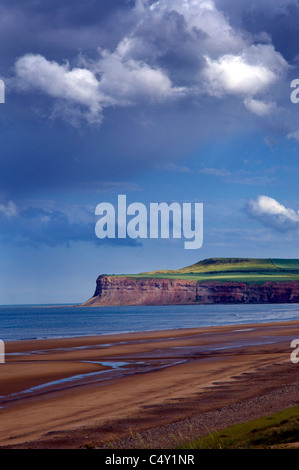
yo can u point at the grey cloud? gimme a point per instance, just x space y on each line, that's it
38 226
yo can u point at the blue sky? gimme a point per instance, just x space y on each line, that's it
177 100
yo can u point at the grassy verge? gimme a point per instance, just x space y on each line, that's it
279 430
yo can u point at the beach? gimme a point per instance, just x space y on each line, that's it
144 389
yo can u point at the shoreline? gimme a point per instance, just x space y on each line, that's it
57 392
206 315
80 338
142 332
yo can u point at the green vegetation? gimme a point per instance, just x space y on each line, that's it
232 270
279 430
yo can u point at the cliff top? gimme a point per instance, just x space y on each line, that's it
231 269
212 265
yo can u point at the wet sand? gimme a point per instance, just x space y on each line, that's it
101 391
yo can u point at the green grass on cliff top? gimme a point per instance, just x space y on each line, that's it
231 270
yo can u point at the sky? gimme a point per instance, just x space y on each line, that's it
184 101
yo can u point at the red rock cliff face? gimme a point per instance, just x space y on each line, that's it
113 290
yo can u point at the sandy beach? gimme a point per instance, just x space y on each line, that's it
144 389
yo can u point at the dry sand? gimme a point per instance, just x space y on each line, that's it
144 389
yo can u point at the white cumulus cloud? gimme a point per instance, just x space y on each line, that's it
126 81
293 135
245 74
120 83
259 107
76 85
9 210
273 214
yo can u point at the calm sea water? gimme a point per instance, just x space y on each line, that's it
61 321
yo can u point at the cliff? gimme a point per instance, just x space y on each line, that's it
213 281
128 291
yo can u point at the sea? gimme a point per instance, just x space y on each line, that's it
26 322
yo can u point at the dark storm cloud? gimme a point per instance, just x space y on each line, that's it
279 19
68 11
36 226
59 29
